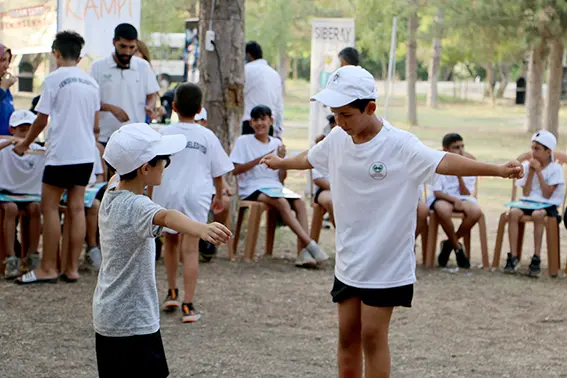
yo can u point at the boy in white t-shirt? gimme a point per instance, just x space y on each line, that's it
125 303
70 100
187 186
454 194
20 175
246 155
375 170
543 183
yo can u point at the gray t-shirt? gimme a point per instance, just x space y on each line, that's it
125 301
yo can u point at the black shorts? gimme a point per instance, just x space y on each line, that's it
391 297
247 129
21 205
550 211
68 176
132 356
317 194
254 197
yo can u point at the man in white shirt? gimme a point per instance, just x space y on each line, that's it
375 170
127 84
70 99
262 86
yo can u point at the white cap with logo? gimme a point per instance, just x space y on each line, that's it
202 115
545 138
345 85
22 117
133 145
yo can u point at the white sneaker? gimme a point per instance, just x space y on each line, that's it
93 257
11 271
316 252
305 259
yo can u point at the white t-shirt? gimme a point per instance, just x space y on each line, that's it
246 149
125 88
450 185
315 174
553 175
187 183
71 99
21 174
375 194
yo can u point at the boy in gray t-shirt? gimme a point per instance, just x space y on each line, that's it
125 303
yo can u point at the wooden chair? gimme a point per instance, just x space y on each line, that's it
255 211
551 227
318 214
24 238
425 234
433 229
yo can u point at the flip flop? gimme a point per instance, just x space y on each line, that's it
65 278
30 278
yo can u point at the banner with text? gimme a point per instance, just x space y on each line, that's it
95 20
329 36
28 26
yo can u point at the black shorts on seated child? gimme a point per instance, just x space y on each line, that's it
550 211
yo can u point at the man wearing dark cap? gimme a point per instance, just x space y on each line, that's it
127 84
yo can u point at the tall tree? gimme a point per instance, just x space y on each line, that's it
534 96
553 103
435 60
411 63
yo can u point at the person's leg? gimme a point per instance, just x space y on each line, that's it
375 323
222 216
349 353
171 259
538 217
92 224
444 212
472 215
10 211
422 214
190 250
514 216
77 228
34 211
301 216
283 207
50 198
326 201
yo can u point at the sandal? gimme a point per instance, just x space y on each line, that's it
30 278
65 278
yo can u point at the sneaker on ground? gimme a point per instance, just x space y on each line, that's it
12 267
171 302
512 264
93 257
445 253
535 267
32 260
190 315
316 251
462 259
305 259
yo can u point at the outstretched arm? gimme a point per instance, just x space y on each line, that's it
456 165
298 162
214 233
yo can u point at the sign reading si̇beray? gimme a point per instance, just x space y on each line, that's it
28 26
329 36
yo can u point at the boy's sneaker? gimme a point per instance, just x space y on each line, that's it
93 257
462 259
511 264
12 267
190 315
171 303
445 253
316 252
326 221
305 259
534 268
32 261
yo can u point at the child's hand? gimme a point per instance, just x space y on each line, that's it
282 151
272 161
217 205
513 169
535 165
216 233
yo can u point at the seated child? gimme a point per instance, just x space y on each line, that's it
323 193
20 175
246 155
543 183
422 213
454 194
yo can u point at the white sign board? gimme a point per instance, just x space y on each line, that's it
95 20
329 36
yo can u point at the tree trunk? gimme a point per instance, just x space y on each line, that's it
282 66
490 82
435 61
295 68
411 64
534 97
554 86
504 72
222 80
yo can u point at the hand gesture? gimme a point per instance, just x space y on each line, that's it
217 205
282 151
216 233
7 81
119 113
20 148
458 205
513 169
272 161
152 113
535 165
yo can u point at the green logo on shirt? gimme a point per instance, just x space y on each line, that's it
378 170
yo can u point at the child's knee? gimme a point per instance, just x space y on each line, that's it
10 209
34 209
349 338
539 216
515 214
299 205
373 337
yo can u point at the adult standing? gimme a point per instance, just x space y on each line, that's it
6 81
127 84
262 86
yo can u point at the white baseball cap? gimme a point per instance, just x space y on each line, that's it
133 145
21 117
345 85
202 115
545 138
